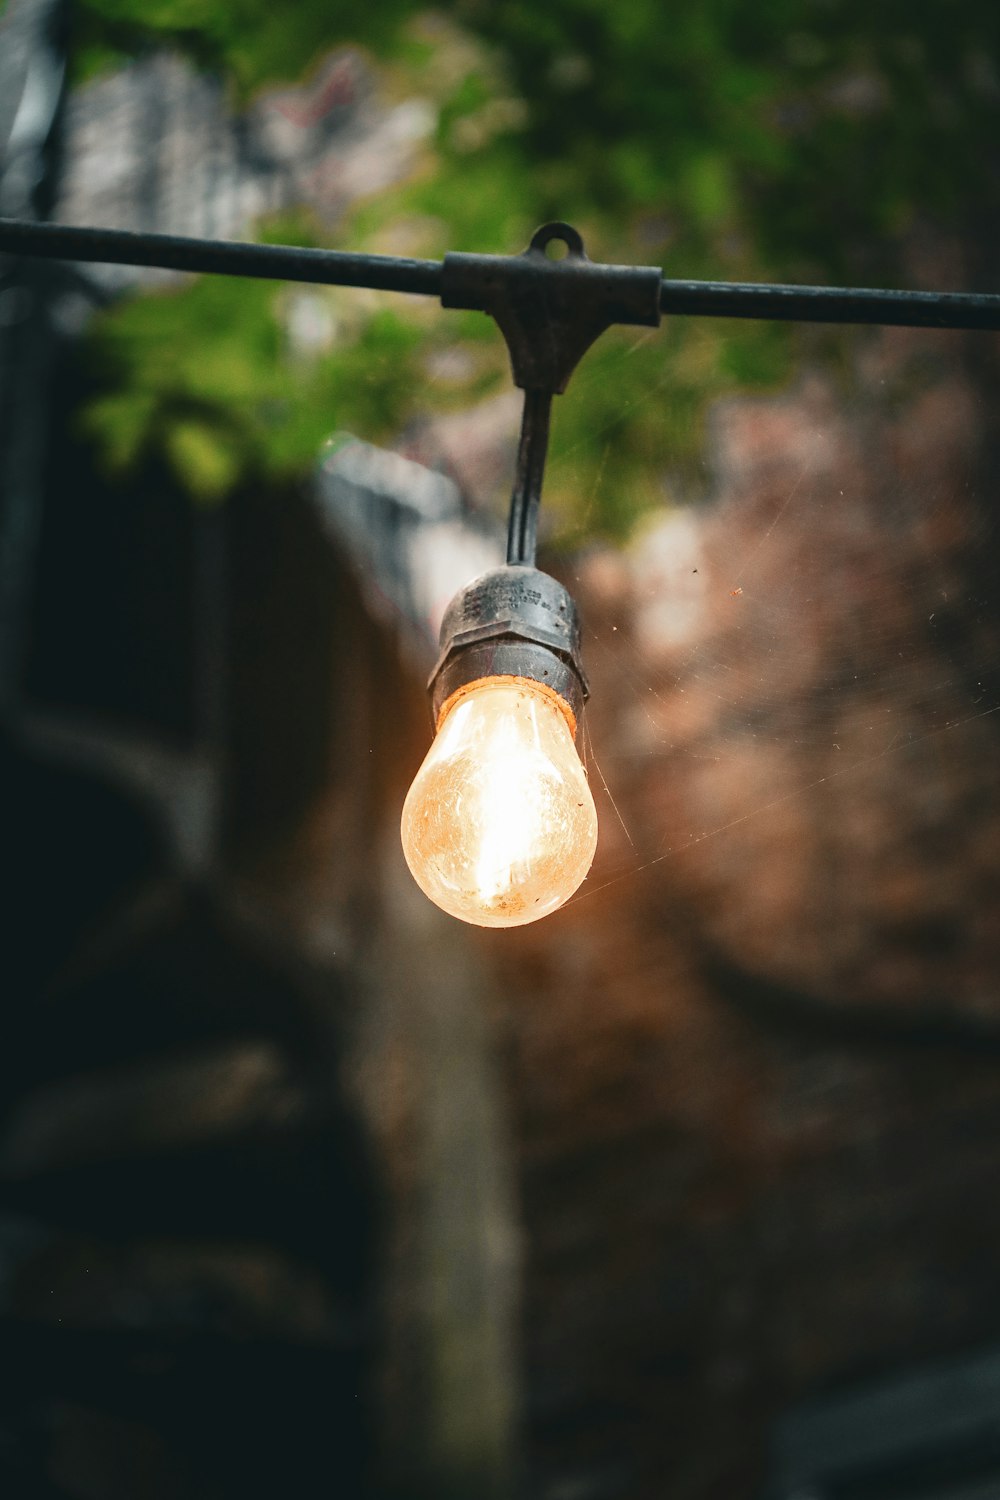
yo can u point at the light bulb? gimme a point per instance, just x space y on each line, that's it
499 827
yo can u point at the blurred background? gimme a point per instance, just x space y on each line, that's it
690 1189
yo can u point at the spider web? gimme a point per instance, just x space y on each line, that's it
793 725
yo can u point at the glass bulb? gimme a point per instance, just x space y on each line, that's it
499 826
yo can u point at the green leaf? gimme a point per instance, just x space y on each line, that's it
206 461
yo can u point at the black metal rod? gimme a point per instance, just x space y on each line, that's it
522 531
172 252
711 299
824 304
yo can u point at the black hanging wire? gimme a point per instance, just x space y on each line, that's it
522 532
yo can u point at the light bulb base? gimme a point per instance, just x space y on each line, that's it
511 622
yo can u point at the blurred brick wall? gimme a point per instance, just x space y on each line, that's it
756 1080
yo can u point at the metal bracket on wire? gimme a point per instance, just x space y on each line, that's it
549 312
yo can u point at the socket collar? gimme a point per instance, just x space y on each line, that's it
513 621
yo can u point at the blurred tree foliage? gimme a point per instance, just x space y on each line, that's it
800 141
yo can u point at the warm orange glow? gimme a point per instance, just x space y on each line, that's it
499 826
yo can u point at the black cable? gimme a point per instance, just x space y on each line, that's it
173 252
522 532
712 299
825 304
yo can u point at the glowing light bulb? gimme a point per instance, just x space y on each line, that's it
499 826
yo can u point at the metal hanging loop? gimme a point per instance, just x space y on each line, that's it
551 311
